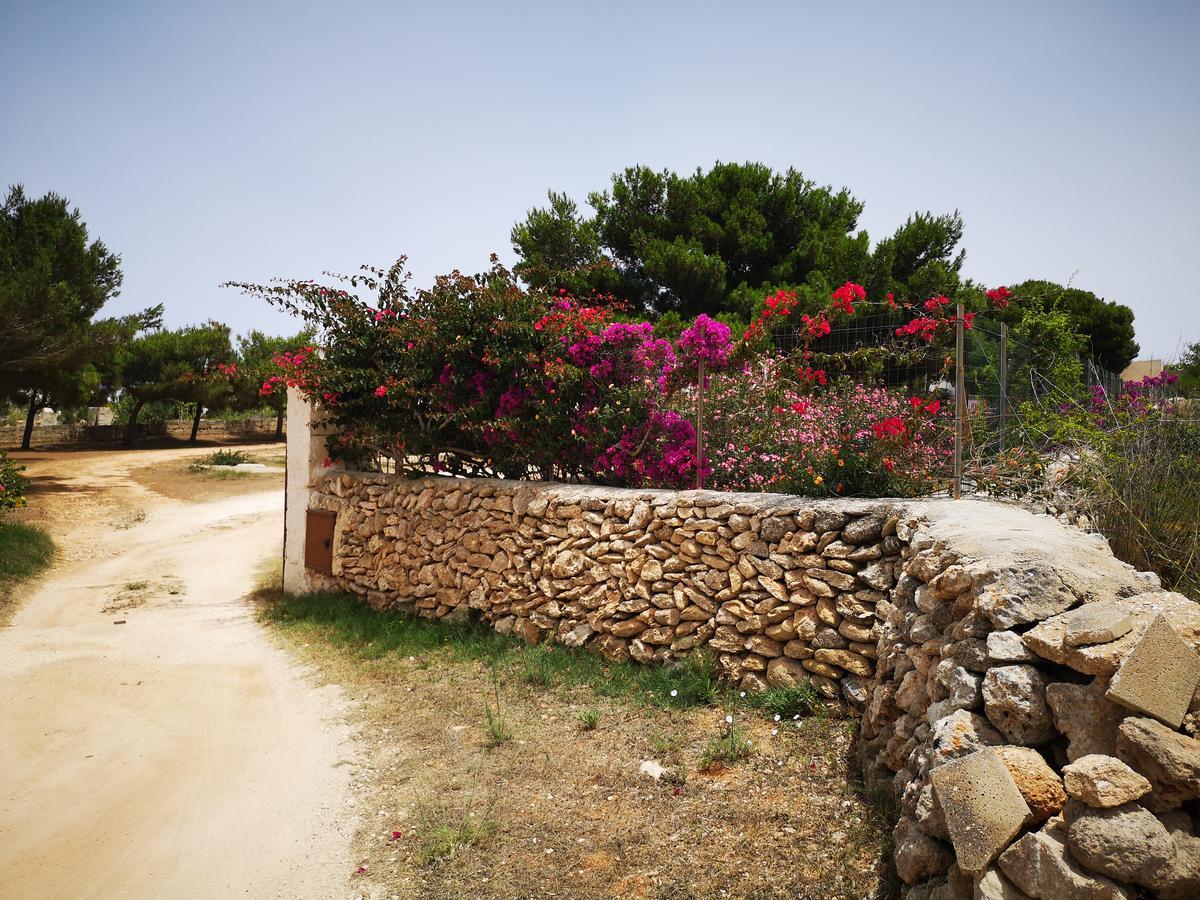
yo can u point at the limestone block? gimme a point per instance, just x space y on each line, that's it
1168 759
1038 783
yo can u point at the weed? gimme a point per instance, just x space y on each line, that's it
442 832
588 719
663 743
729 745
497 727
536 662
136 585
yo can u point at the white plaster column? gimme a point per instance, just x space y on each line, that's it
305 462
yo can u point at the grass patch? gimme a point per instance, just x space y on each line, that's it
789 702
24 551
347 622
588 719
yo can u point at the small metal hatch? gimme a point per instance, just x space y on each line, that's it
318 540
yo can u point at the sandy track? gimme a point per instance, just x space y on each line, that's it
180 754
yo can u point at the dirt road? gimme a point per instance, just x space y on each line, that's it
179 754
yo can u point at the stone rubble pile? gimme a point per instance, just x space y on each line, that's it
1040 737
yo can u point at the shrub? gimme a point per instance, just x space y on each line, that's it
13 485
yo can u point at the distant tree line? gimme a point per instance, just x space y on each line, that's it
721 240
57 351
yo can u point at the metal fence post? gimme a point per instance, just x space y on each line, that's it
1003 385
960 402
700 426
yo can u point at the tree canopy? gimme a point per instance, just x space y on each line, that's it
715 241
53 281
1106 326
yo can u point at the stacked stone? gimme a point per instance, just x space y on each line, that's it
781 589
1039 731
1038 746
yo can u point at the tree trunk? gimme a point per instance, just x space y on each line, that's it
196 422
279 424
131 427
35 404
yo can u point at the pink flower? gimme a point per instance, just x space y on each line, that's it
381 391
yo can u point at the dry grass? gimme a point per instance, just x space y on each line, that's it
179 479
559 807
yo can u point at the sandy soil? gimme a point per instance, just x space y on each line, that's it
155 742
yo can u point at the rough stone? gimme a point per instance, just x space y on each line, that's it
786 672
1168 759
1089 721
1014 701
1096 623
1040 865
1103 781
1007 647
960 733
982 806
1126 843
1159 676
992 885
918 856
1048 639
1038 783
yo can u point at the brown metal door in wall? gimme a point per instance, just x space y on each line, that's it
318 540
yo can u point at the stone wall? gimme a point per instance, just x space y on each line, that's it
1028 698
211 430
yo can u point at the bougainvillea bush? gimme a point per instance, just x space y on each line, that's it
479 375
774 430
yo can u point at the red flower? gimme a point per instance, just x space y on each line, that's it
933 406
892 426
999 296
914 402
381 391
889 464
844 297
934 302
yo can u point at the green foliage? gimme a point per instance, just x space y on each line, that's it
226 458
13 485
1106 326
52 281
1188 369
256 354
443 830
714 241
177 364
785 702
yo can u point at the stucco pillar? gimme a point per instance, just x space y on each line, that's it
306 455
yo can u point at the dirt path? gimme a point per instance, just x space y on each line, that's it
180 754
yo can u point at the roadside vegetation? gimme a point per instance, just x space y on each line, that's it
508 766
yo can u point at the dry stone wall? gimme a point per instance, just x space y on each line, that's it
1029 700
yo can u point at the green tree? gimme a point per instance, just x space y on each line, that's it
81 378
52 281
717 241
256 355
1106 326
172 365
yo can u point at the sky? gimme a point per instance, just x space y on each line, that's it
214 141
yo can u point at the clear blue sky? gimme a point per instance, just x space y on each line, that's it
208 141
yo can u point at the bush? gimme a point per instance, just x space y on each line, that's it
13 485
1141 482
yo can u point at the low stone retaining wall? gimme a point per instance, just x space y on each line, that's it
214 430
1028 698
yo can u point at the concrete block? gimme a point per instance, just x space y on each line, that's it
983 807
1159 676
